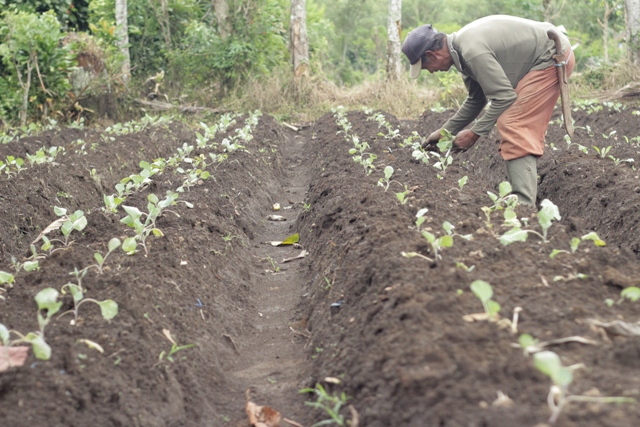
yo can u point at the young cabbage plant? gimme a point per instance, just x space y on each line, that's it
438 243
462 181
112 202
361 156
6 279
384 182
403 196
448 228
134 220
48 305
546 215
632 293
575 242
420 219
484 292
550 365
108 308
602 152
76 221
113 245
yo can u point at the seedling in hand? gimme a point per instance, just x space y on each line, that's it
549 364
484 292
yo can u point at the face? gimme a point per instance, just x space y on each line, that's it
436 61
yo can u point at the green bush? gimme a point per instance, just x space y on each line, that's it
34 81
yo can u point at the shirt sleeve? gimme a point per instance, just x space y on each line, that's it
496 88
470 108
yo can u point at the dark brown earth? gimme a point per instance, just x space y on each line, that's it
397 342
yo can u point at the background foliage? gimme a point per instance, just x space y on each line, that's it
180 39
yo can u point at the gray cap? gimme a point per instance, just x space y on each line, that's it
414 46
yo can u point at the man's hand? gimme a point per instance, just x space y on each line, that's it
432 140
465 139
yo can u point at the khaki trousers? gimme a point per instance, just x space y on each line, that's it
522 126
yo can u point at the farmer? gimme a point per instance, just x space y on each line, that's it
508 62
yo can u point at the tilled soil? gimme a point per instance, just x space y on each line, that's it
389 328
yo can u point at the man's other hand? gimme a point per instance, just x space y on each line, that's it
432 140
464 140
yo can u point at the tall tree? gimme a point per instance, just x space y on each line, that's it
394 30
633 30
299 43
221 10
122 29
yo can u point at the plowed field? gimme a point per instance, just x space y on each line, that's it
390 328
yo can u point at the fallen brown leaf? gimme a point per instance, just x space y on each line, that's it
262 416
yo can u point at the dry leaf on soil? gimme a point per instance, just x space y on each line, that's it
262 416
12 357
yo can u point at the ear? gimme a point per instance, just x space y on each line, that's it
431 55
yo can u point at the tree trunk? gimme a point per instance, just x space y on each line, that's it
221 10
633 30
123 38
298 40
394 29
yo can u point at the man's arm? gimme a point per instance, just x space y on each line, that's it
470 109
496 87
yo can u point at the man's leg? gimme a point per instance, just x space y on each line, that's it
523 126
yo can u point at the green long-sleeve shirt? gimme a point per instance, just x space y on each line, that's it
493 54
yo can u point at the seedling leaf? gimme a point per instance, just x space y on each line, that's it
108 308
593 236
47 299
40 348
527 341
516 234
462 181
504 189
549 364
99 259
6 278
482 290
129 245
59 211
493 307
445 241
631 293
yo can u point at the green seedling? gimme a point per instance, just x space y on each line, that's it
631 293
403 196
361 156
193 177
112 202
445 241
593 236
420 217
331 404
546 215
26 266
484 292
602 152
550 365
445 144
76 221
108 308
462 181
384 182
382 122
174 349
306 207
113 245
48 305
134 220
448 228
6 278
527 342
575 242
